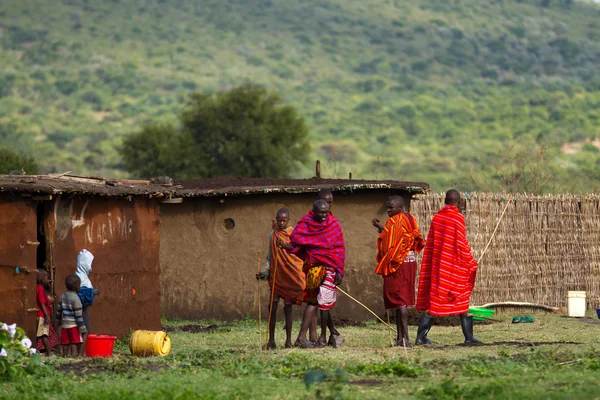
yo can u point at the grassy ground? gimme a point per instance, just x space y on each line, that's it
554 357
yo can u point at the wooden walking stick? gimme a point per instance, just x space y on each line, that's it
258 302
389 330
368 309
274 261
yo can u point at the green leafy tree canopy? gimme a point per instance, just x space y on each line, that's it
247 131
10 161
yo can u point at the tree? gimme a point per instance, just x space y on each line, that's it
10 161
518 168
247 131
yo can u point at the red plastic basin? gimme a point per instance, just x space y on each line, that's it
100 345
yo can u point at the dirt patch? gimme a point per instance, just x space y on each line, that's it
587 320
366 382
342 322
506 343
414 315
192 328
119 366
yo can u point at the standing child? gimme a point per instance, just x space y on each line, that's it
73 334
285 275
87 292
46 335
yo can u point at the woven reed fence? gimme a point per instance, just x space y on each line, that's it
544 245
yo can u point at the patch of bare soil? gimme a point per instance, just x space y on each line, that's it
342 322
507 343
192 328
366 382
91 366
587 320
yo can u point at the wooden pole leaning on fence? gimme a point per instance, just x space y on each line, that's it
495 229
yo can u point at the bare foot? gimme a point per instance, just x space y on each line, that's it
307 345
289 345
321 342
403 343
270 346
335 341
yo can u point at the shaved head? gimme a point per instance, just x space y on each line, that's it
452 198
283 212
396 200
320 210
394 205
42 276
320 205
72 282
325 194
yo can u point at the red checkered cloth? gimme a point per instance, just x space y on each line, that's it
320 243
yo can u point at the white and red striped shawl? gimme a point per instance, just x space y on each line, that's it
448 268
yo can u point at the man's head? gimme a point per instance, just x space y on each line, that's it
72 282
394 205
43 277
283 218
320 210
326 195
452 198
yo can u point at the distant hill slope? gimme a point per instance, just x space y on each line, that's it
413 90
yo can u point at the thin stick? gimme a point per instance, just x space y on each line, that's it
389 331
273 261
368 309
495 229
258 301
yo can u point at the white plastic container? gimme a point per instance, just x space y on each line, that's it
576 303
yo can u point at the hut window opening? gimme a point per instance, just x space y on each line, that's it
229 224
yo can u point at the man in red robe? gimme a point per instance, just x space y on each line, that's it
318 240
398 241
447 273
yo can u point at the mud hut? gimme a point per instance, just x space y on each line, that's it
46 220
214 240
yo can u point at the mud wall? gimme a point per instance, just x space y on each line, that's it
124 238
18 244
207 270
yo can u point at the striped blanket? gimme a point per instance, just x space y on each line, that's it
448 268
399 236
289 278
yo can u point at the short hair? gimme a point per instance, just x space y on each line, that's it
452 197
72 281
320 202
283 210
396 199
41 273
323 193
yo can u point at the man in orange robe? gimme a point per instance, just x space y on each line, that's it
286 270
447 273
396 263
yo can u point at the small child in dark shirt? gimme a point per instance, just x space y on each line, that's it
73 334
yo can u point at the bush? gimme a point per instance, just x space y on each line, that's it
10 161
17 356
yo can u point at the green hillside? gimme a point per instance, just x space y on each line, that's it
419 90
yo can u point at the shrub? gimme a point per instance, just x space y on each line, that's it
17 357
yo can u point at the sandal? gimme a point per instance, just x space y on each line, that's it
516 320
